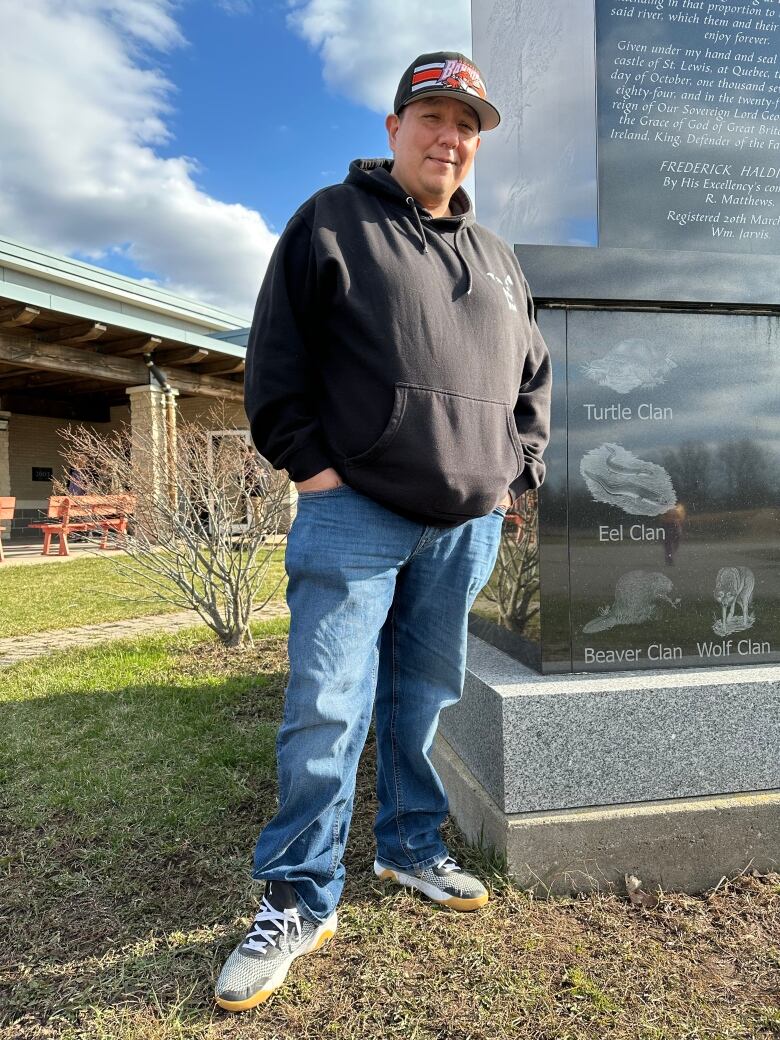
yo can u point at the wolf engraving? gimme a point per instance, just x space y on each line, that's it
734 588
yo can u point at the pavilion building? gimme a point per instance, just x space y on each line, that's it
76 343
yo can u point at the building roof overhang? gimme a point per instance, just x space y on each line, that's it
68 327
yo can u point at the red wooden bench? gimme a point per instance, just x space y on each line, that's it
7 506
68 513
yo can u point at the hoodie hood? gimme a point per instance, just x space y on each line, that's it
375 176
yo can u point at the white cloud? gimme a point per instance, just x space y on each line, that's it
236 6
82 111
365 45
537 171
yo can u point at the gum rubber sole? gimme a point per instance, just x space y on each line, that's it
409 881
276 980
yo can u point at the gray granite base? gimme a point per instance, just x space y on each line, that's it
670 775
686 845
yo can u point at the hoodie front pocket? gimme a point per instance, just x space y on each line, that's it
441 453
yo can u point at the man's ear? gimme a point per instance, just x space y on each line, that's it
392 123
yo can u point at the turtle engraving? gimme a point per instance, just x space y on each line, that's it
631 364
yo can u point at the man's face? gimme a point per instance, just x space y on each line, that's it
434 142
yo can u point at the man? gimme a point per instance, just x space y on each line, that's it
395 370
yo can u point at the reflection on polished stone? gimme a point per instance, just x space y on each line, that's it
507 611
646 275
538 59
674 549
659 536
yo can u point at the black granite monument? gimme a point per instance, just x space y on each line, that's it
660 518
637 147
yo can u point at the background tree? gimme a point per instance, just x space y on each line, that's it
514 586
749 475
690 467
202 535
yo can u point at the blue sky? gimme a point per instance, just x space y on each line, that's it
253 107
172 139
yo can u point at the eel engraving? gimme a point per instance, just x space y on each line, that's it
619 478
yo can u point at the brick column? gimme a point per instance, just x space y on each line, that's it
153 436
5 457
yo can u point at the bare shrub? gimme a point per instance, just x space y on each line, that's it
514 585
205 525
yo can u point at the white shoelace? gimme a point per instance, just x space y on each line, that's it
259 939
448 865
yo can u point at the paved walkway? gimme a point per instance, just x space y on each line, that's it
24 553
23 648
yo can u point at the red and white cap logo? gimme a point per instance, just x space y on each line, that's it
453 74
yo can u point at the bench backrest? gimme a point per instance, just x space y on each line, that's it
71 507
7 506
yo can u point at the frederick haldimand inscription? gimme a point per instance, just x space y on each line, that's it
699 103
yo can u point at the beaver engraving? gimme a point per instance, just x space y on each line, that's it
638 595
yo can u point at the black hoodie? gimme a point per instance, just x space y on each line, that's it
401 350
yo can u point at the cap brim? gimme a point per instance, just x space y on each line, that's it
489 116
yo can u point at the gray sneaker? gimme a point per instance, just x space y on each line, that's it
260 962
445 882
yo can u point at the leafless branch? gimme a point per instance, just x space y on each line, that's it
514 587
204 536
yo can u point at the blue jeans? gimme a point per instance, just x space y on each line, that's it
378 615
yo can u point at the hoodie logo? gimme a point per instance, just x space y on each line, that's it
507 285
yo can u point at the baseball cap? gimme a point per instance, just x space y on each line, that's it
446 72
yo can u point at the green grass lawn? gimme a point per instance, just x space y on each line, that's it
41 597
133 780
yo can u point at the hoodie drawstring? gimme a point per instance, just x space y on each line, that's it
410 202
413 206
463 260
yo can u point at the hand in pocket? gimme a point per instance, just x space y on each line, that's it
322 481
